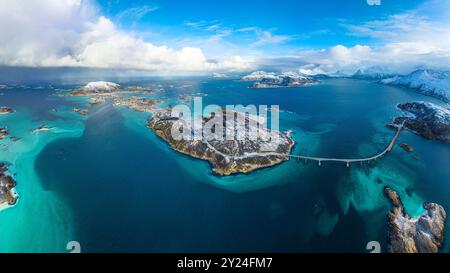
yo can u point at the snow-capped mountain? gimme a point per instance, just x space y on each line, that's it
429 82
219 76
259 75
273 80
373 73
100 87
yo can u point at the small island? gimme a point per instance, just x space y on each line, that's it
82 112
423 234
408 148
7 184
5 110
41 128
3 133
272 80
3 86
425 119
100 92
227 157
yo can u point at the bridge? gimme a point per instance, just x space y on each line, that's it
354 160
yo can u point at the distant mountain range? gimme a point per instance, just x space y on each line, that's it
426 81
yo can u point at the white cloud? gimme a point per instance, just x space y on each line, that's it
266 37
136 13
416 38
72 33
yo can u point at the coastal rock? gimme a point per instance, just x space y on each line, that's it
423 234
273 80
7 185
227 157
426 81
425 119
6 110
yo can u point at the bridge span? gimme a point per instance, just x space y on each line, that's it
320 160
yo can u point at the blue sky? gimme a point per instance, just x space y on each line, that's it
306 24
199 36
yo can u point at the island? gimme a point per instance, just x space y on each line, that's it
2 86
82 112
426 119
5 110
264 79
8 197
408 148
227 157
423 234
41 128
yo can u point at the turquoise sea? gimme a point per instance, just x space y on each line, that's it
108 182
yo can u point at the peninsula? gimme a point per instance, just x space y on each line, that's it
7 195
425 119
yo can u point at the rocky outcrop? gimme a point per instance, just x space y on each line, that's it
423 234
425 119
3 133
7 185
408 148
227 157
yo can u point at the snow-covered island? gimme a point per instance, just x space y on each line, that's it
101 91
228 157
264 79
426 81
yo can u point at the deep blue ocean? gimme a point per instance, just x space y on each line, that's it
127 191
